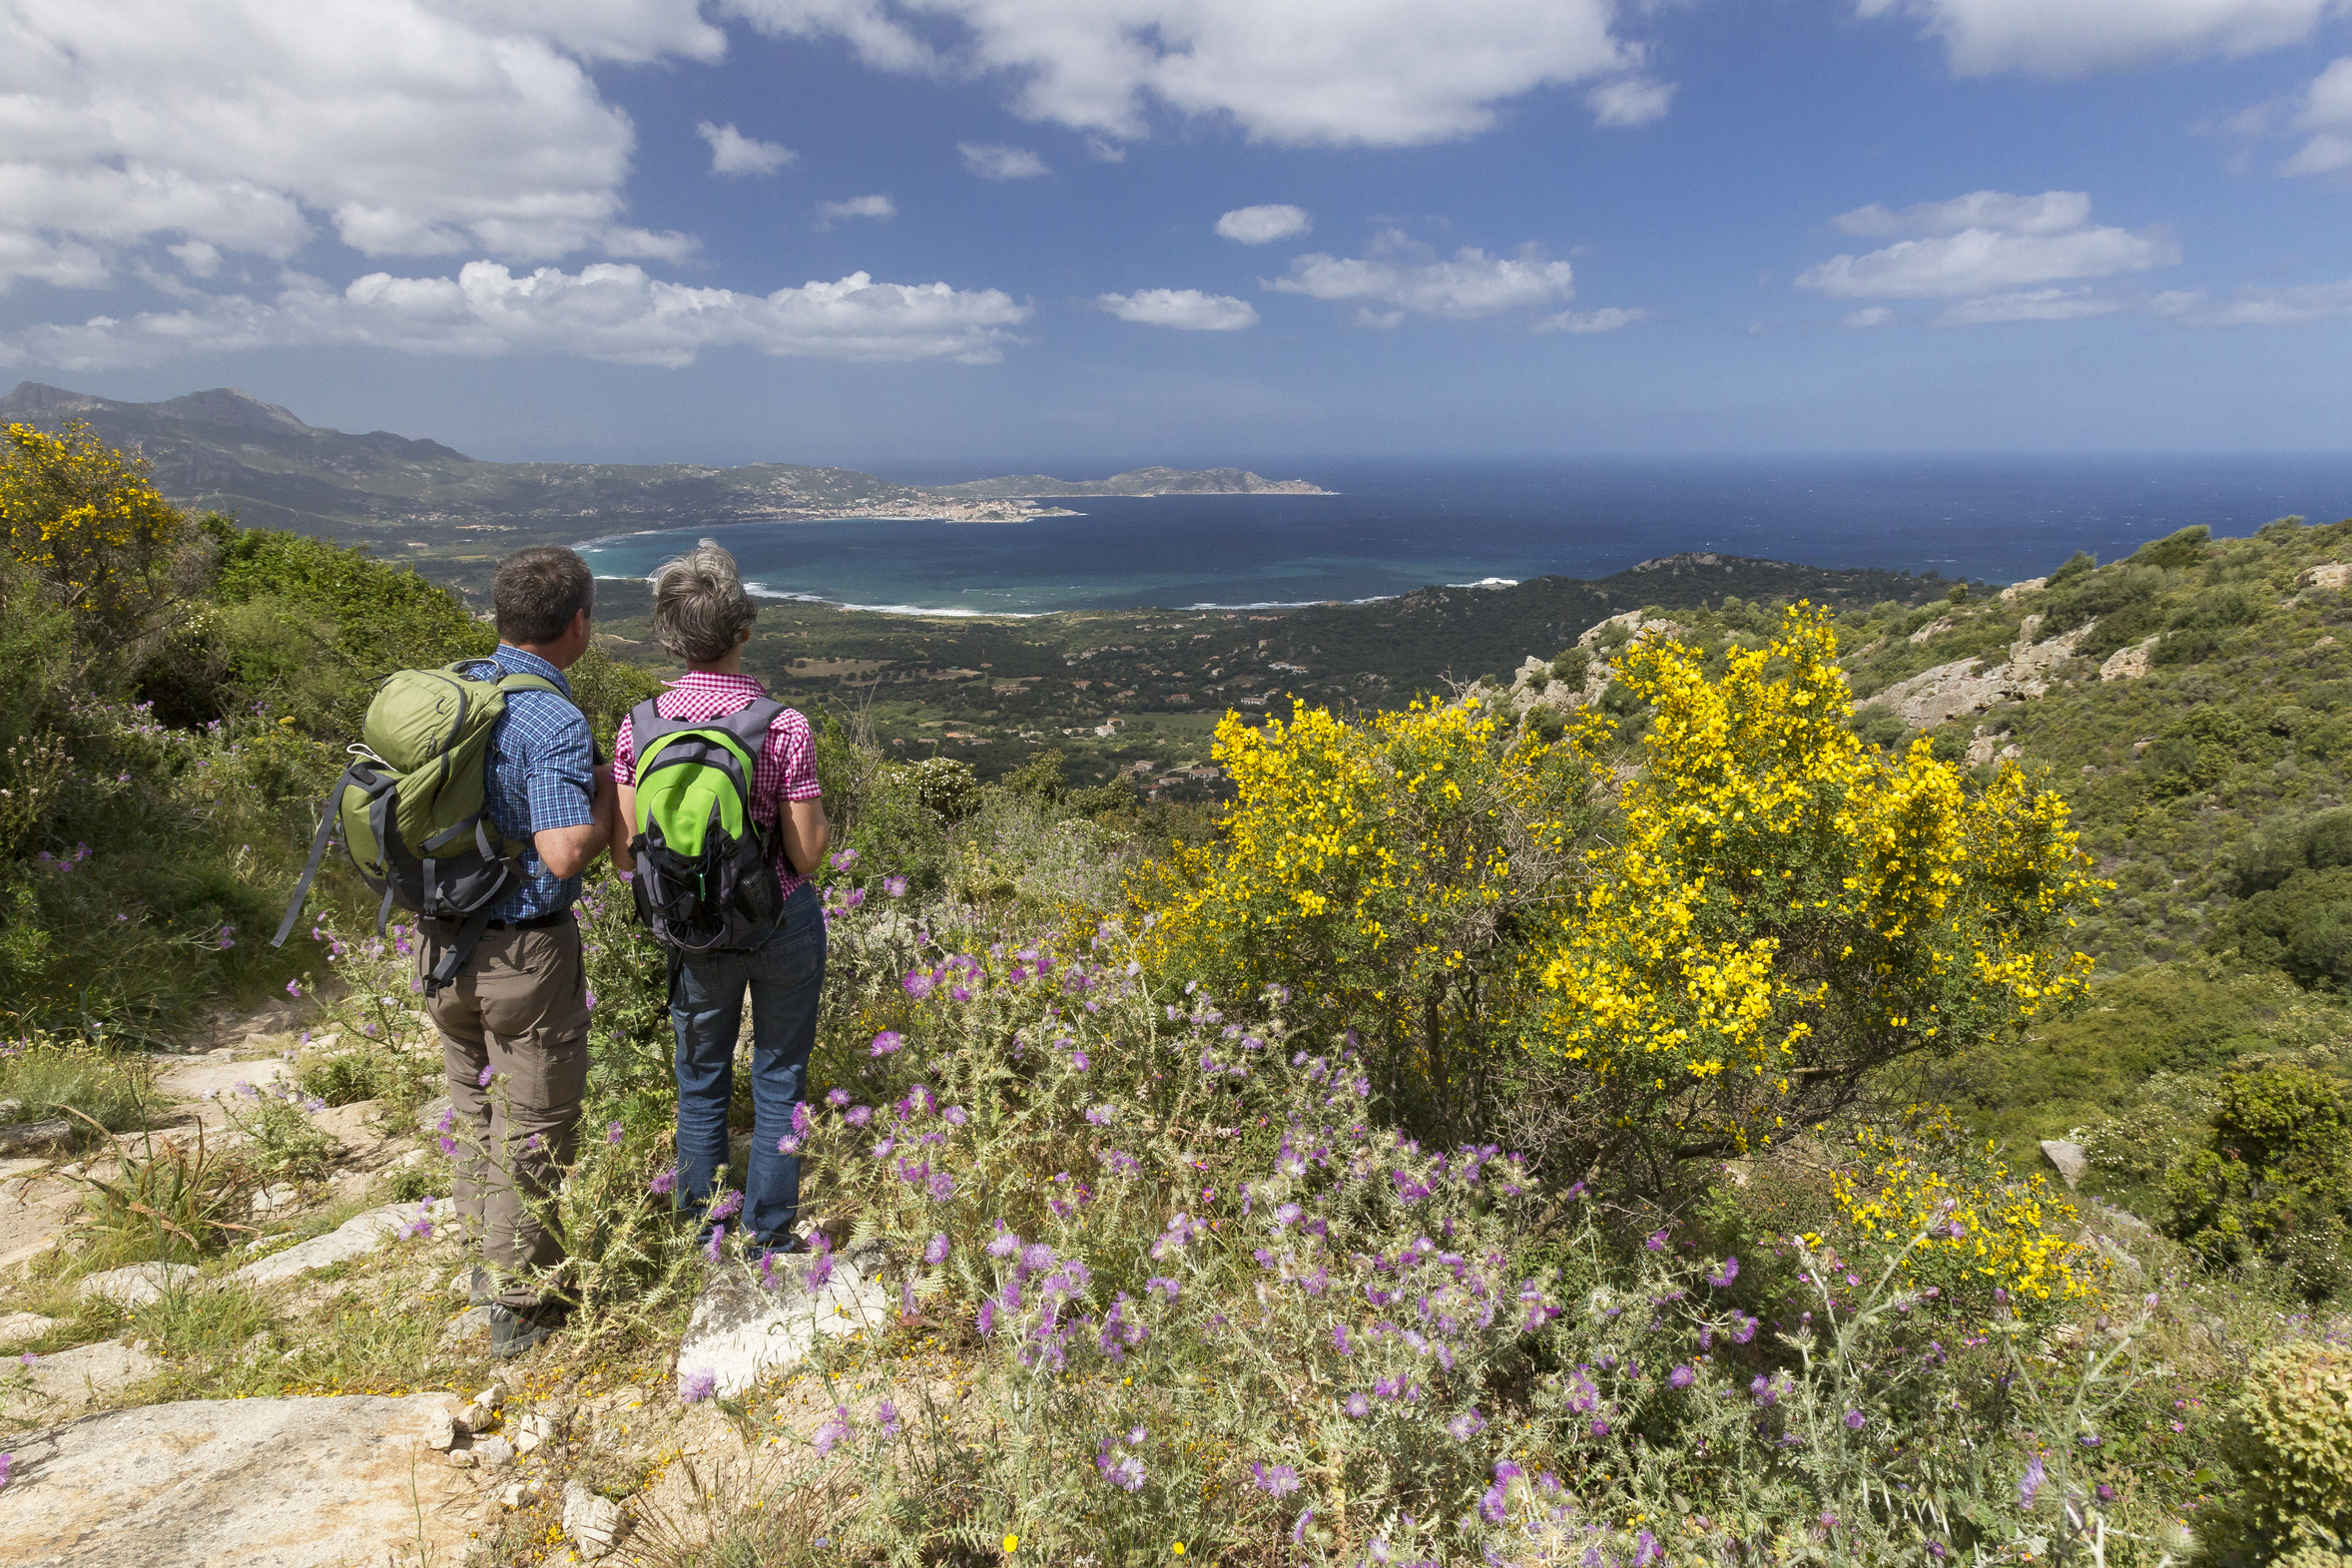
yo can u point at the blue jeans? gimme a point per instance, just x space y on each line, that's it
784 976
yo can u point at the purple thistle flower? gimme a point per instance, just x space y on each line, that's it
612 1133
1854 1420
1655 1241
918 983
788 1143
1745 1331
1078 1061
836 1098
987 1321
1761 1387
936 1253
1278 1480
1492 1507
941 1186
2030 1485
857 1115
885 1414
895 886
294 987
482 1079
835 1428
1166 1286
1358 1406
696 1387
449 1144
1646 1551
665 1184
957 1115
1723 1277
887 1041
710 1246
730 1205
1681 1378
1466 1426
534 1143
1102 1115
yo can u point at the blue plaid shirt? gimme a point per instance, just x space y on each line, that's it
541 775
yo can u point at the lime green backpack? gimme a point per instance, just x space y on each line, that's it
409 808
704 879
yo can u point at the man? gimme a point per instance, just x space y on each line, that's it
514 1022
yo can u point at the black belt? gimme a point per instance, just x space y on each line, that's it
537 922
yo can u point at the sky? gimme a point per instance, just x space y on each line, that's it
971 235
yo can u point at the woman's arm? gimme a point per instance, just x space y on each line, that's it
805 833
623 830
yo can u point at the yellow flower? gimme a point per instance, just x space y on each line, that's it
1178 1548
1013 1543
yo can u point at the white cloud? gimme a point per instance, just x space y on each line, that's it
1383 73
2296 307
2068 37
1875 315
879 208
1408 276
1001 163
1606 319
2050 212
607 310
405 126
1983 243
2327 112
733 152
2030 304
1186 308
1260 225
1631 101
201 259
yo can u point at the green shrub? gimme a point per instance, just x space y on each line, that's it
2185 547
2303 926
2274 1183
2289 1440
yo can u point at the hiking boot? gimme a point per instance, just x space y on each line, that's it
478 1292
515 1329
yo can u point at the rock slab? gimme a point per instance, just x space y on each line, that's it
88 1374
254 1484
136 1285
742 1330
354 1238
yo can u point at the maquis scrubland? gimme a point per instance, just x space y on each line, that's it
1593 1115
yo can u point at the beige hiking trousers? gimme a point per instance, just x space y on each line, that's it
518 1016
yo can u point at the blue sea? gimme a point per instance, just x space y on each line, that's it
1391 529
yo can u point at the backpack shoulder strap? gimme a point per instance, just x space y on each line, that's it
525 682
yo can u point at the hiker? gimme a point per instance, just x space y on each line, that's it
721 865
513 1016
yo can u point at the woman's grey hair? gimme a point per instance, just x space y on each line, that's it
699 611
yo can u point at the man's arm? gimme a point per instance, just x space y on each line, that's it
567 851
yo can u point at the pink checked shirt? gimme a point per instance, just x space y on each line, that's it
787 770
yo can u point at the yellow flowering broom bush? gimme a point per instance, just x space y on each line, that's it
1984 1228
88 523
1780 910
1389 873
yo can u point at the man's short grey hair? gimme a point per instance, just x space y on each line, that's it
699 611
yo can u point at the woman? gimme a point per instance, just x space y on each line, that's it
702 615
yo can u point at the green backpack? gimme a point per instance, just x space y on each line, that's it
409 808
704 879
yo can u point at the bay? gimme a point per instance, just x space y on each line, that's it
1392 528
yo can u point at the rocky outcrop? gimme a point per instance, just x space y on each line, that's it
2331 576
2016 590
261 1483
2130 664
1966 686
354 1238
